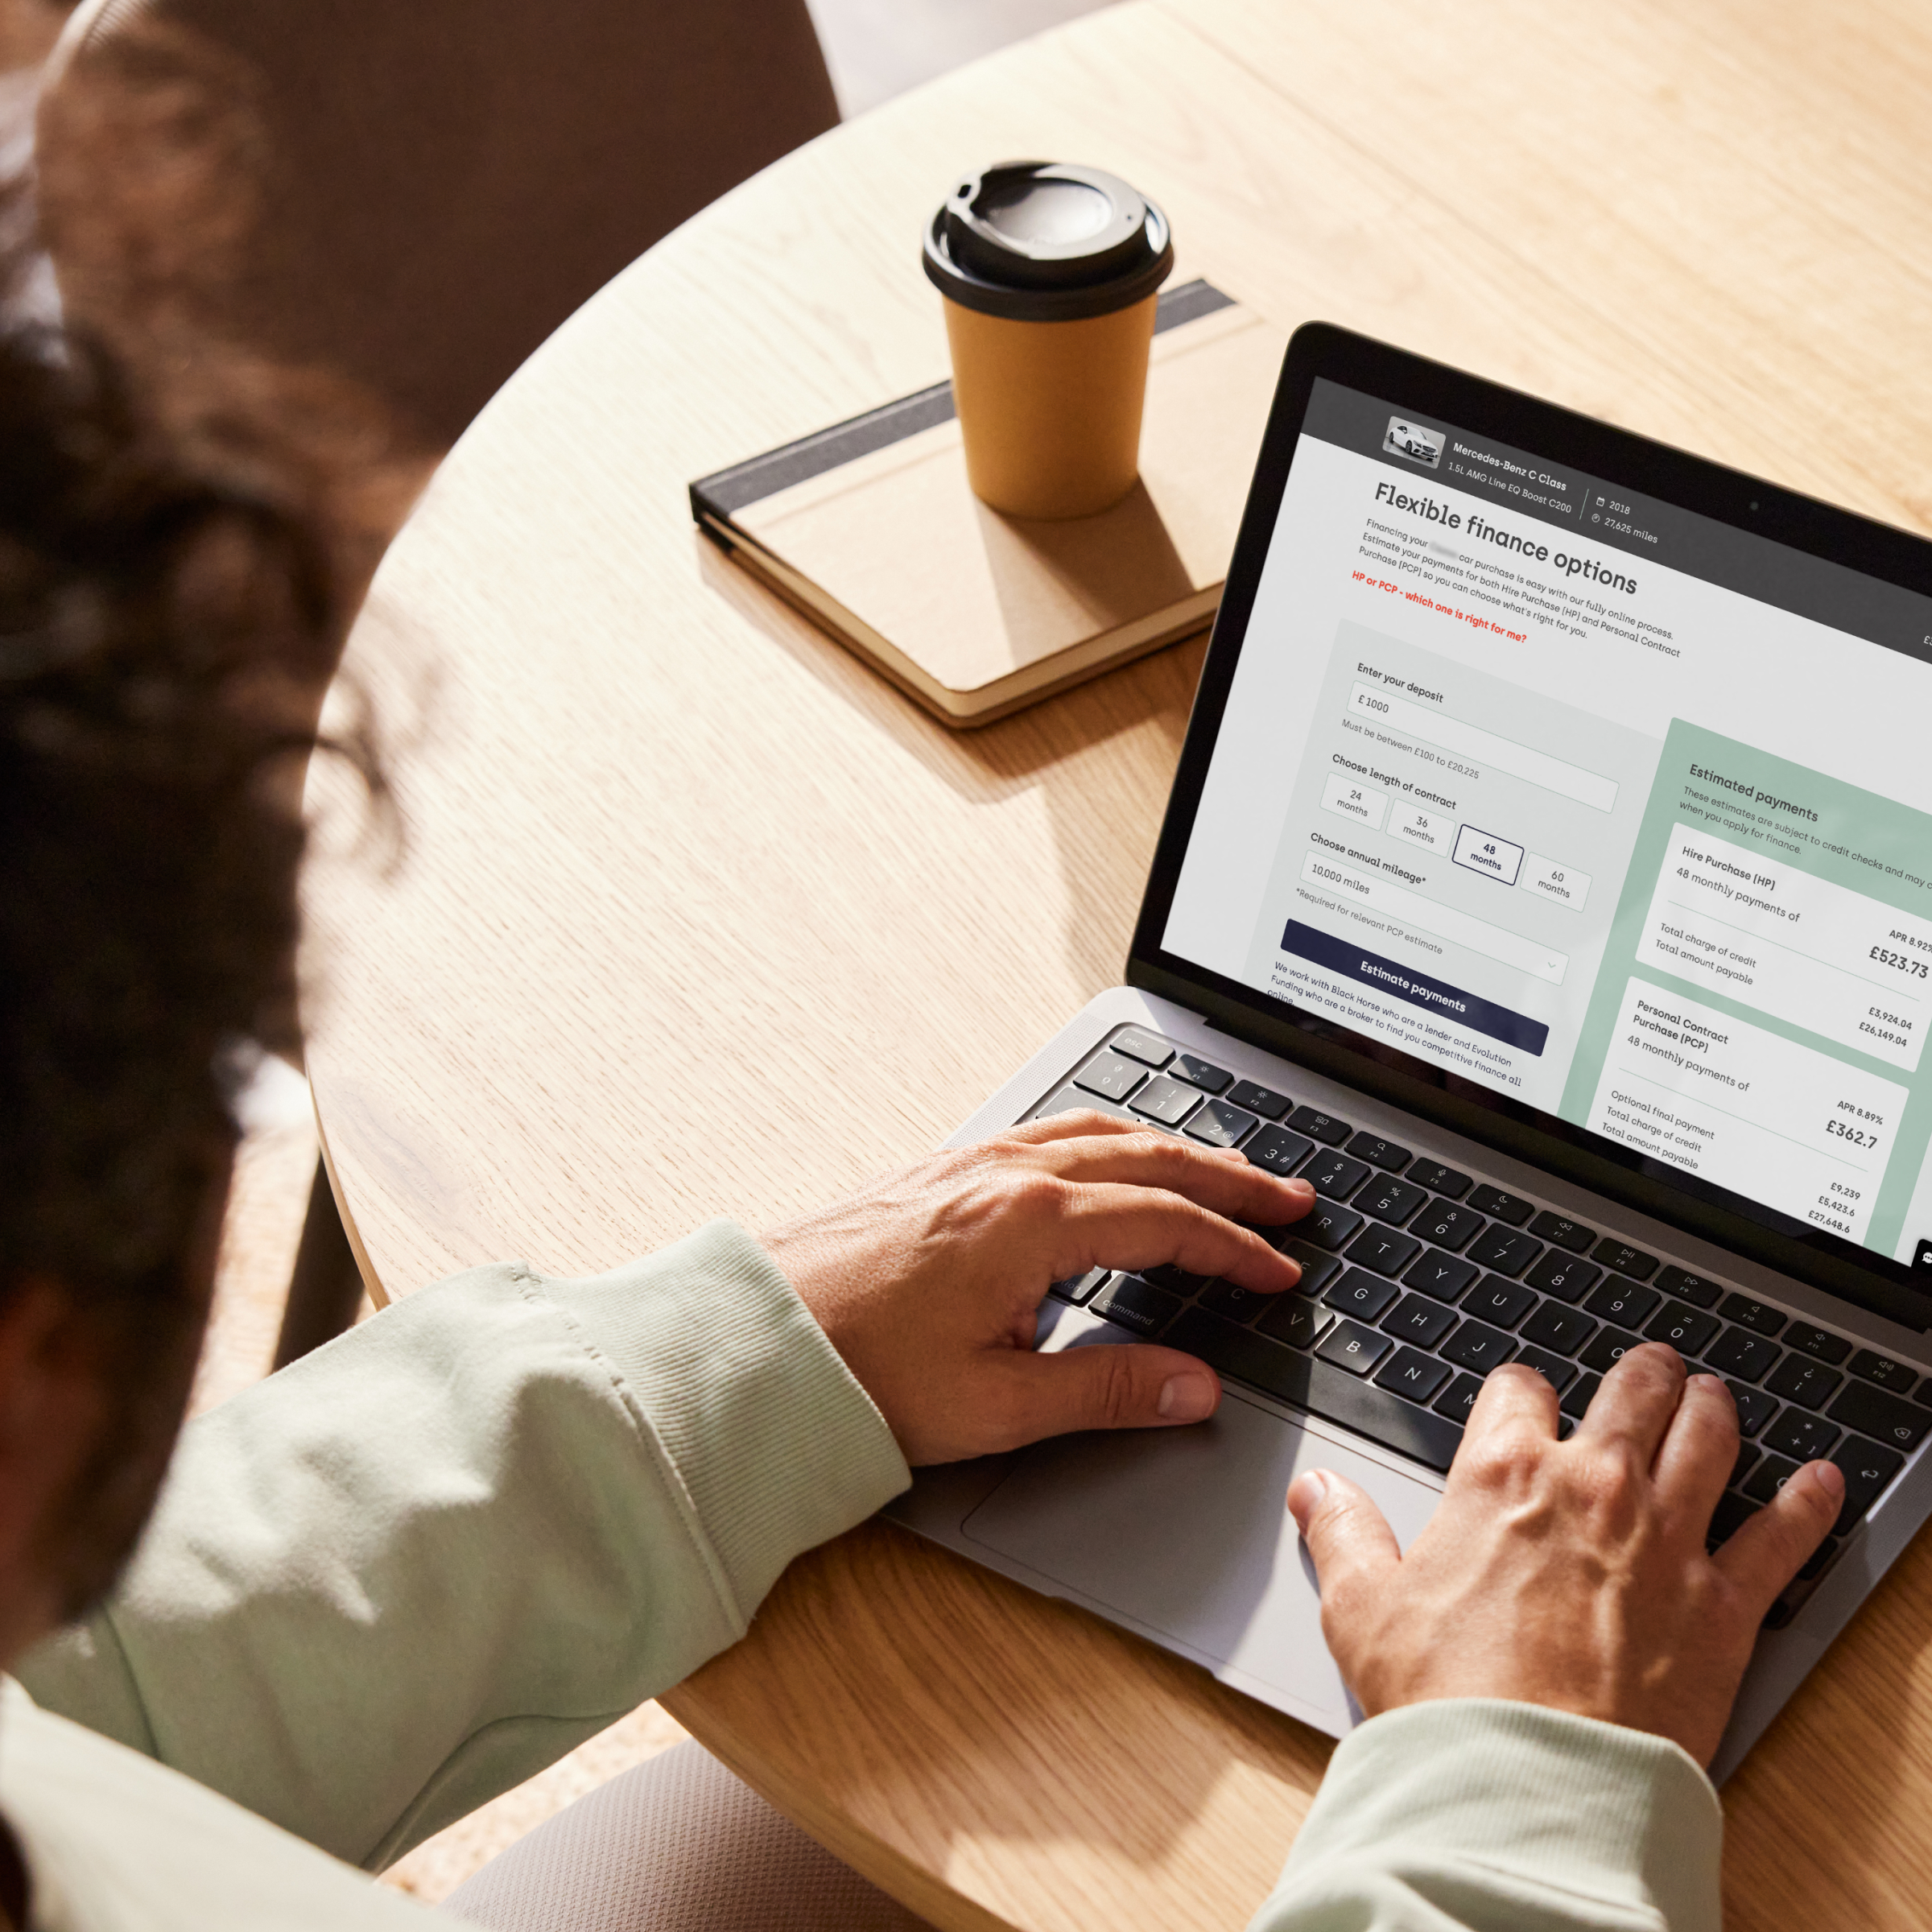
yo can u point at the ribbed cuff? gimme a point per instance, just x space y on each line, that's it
1558 1803
776 1444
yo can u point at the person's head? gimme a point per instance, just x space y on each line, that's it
166 623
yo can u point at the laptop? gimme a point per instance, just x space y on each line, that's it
1547 878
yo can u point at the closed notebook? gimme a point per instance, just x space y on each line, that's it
869 527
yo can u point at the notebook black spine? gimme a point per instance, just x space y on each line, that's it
715 499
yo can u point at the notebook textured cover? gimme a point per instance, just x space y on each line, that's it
869 527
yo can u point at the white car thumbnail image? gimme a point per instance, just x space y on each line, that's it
1410 440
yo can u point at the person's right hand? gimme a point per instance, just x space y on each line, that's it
1573 1574
929 1282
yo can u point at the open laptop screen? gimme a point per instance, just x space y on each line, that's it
1578 802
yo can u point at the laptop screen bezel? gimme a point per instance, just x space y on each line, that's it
1746 503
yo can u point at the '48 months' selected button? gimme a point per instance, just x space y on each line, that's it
1484 852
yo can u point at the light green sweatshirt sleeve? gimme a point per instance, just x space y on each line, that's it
428 1559
1480 1814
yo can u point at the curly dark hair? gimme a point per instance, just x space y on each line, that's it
165 632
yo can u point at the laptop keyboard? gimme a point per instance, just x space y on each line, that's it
1418 1279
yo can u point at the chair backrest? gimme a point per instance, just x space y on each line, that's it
434 185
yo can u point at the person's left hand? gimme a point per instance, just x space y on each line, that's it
929 1282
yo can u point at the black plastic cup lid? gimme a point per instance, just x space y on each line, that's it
1047 241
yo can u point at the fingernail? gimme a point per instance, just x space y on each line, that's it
1306 1495
1186 1398
1306 1187
1832 1480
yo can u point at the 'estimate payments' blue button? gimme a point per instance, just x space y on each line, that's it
1402 983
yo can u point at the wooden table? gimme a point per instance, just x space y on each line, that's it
695 915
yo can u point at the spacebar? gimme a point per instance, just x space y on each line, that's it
1317 1386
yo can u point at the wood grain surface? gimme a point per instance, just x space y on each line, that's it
691 914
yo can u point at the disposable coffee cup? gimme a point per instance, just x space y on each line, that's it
1049 272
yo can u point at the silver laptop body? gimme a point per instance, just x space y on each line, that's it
1585 976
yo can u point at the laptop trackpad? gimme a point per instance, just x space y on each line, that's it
1184 1534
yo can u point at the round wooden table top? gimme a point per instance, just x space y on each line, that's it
695 915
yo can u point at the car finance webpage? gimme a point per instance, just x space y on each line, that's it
1518 775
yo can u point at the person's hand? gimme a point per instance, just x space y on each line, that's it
929 1282
1571 1575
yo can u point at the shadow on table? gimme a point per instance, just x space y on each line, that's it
1086 752
1825 1821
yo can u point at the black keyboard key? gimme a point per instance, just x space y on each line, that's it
1609 1347
1568 1276
1770 1477
1387 1250
1687 1330
1798 1380
1459 1398
1561 1231
1576 1398
1816 1562
1554 1326
1200 1073
1137 1043
1320 1126
1746 1461
1278 1151
1078 1290
1689 1287
1410 1374
1165 1100
1311 1383
1884 1418
1867 1466
1620 1299
1493 1299
1299 1323
1317 1267
1335 1174
1176 1280
1136 1304
1444 1276
1328 1223
1505 1252
1759 1317
1732 1512
1500 1207
1379 1152
1237 1304
1439 1180
1359 1294
1476 1346
1881 1368
1558 1374
1417 1319
1219 1125
1111 1075
1820 1343
1737 1351
1263 1101
1800 1436
1448 1227
1390 1199
1754 1407
1349 1345
1620 1258
1071 1098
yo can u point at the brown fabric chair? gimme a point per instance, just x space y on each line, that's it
324 233
433 185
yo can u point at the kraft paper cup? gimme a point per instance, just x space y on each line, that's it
1049 273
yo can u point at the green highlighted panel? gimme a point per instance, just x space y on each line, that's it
1766 992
